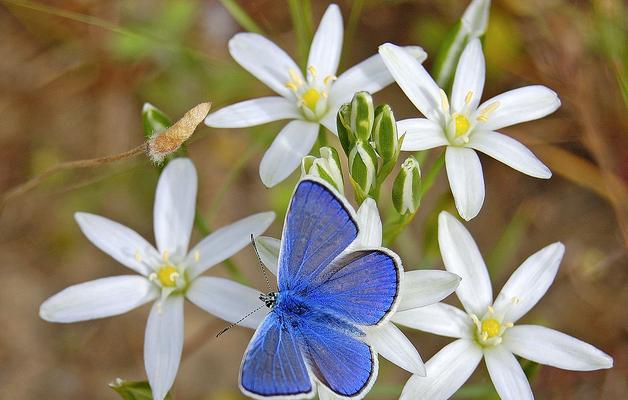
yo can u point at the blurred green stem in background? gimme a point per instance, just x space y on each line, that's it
241 16
109 26
301 12
356 11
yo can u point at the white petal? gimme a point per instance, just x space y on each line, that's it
413 79
98 299
507 375
120 242
263 59
520 105
529 282
510 152
175 206
440 319
423 287
469 78
268 249
394 346
462 257
550 347
446 372
228 300
288 149
226 241
475 17
327 43
370 223
420 134
253 112
466 180
370 75
329 119
163 344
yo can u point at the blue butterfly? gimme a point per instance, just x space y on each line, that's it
314 330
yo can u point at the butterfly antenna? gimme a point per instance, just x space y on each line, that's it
261 263
241 319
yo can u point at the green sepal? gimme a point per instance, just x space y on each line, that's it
134 390
363 166
343 125
385 134
406 191
154 120
362 115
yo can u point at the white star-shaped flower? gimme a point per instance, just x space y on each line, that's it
168 273
486 329
464 125
309 101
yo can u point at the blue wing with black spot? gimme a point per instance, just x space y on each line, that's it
318 227
273 364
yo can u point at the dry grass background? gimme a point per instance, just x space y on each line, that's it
74 89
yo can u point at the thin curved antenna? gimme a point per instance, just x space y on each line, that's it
241 319
261 263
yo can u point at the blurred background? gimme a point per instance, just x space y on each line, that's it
73 78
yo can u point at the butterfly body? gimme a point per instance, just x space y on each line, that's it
328 295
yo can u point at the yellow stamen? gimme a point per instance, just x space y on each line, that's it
491 310
328 79
292 86
197 256
168 276
295 77
462 125
468 97
310 98
490 328
166 256
484 114
312 70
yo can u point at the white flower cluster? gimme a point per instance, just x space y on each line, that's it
486 328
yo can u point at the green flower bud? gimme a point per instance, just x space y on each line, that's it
154 120
385 134
362 115
327 167
406 193
343 124
363 166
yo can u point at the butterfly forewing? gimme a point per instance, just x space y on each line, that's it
318 228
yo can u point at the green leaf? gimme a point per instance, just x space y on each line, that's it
134 390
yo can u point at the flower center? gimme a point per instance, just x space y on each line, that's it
311 95
310 98
462 125
167 276
490 327
489 330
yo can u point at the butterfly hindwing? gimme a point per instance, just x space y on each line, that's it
273 365
318 227
339 360
361 287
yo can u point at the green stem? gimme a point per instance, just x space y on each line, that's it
356 11
109 26
241 17
301 12
391 231
429 178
